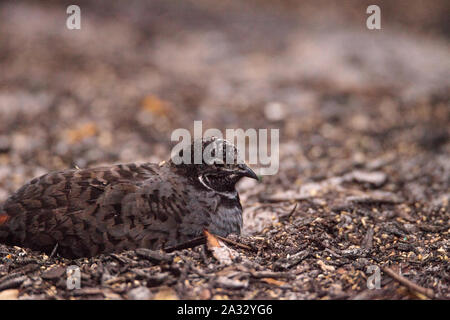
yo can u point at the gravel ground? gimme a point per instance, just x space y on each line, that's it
363 115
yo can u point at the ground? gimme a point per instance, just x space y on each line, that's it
364 170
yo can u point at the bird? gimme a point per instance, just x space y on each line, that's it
86 212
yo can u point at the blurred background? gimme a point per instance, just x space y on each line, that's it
341 95
364 120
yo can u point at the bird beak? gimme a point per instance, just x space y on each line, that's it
247 172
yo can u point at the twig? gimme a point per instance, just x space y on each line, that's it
283 198
202 240
271 274
237 244
186 245
287 216
12 283
54 251
409 284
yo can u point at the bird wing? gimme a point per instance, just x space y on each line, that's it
87 211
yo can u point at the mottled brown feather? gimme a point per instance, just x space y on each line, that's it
107 209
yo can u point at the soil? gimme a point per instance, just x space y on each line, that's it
364 119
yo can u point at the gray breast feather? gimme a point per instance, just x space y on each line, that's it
227 220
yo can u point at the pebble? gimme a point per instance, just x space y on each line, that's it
140 293
11 294
275 111
376 178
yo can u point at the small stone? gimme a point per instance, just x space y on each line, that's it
275 111
11 294
377 178
166 293
140 293
231 283
411 228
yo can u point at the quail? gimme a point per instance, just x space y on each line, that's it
85 212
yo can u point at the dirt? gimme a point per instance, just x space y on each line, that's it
364 120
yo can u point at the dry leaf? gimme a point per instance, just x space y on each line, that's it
81 132
273 281
165 293
155 105
219 250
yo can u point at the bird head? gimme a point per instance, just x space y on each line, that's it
215 162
